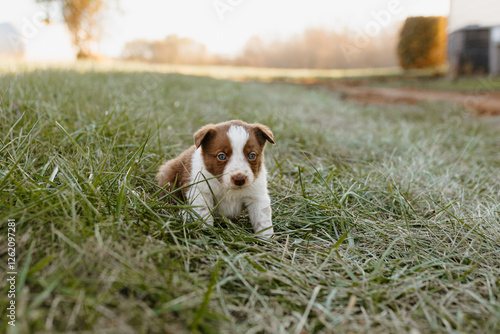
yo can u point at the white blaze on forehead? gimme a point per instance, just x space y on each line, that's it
238 137
238 163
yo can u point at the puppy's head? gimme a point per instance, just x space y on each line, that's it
233 151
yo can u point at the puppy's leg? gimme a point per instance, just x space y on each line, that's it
259 210
203 205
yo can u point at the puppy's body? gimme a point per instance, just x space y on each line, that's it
224 173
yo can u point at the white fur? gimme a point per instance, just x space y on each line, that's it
209 196
238 163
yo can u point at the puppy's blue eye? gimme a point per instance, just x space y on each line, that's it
221 156
252 156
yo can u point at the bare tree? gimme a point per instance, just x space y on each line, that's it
82 19
321 48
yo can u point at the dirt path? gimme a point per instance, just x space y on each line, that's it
482 103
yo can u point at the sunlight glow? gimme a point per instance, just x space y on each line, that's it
228 32
223 26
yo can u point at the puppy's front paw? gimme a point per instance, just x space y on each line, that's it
264 230
202 214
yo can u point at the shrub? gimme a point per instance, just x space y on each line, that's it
422 42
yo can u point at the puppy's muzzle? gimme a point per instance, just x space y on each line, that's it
239 180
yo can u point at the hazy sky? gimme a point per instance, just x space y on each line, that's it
223 25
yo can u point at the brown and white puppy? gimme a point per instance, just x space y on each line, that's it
224 171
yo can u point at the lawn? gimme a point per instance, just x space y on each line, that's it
386 218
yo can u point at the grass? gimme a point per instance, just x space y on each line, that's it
386 218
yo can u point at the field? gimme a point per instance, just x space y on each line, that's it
386 217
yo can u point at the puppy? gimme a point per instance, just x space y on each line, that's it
224 173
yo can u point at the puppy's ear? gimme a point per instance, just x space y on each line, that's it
264 133
203 134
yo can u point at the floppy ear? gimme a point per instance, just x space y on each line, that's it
264 133
203 134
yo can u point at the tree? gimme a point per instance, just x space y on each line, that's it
171 50
422 42
81 17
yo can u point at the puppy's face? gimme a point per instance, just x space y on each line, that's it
233 151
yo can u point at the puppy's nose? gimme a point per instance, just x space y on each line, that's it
239 179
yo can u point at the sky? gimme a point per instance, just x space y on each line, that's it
223 26
477 12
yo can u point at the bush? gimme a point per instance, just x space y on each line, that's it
422 42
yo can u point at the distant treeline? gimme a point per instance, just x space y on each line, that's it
314 48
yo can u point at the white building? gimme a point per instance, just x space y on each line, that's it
34 31
8 46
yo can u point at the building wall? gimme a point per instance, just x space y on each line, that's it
473 12
10 45
495 51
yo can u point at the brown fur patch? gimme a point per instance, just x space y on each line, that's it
254 145
176 173
263 133
218 142
258 136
